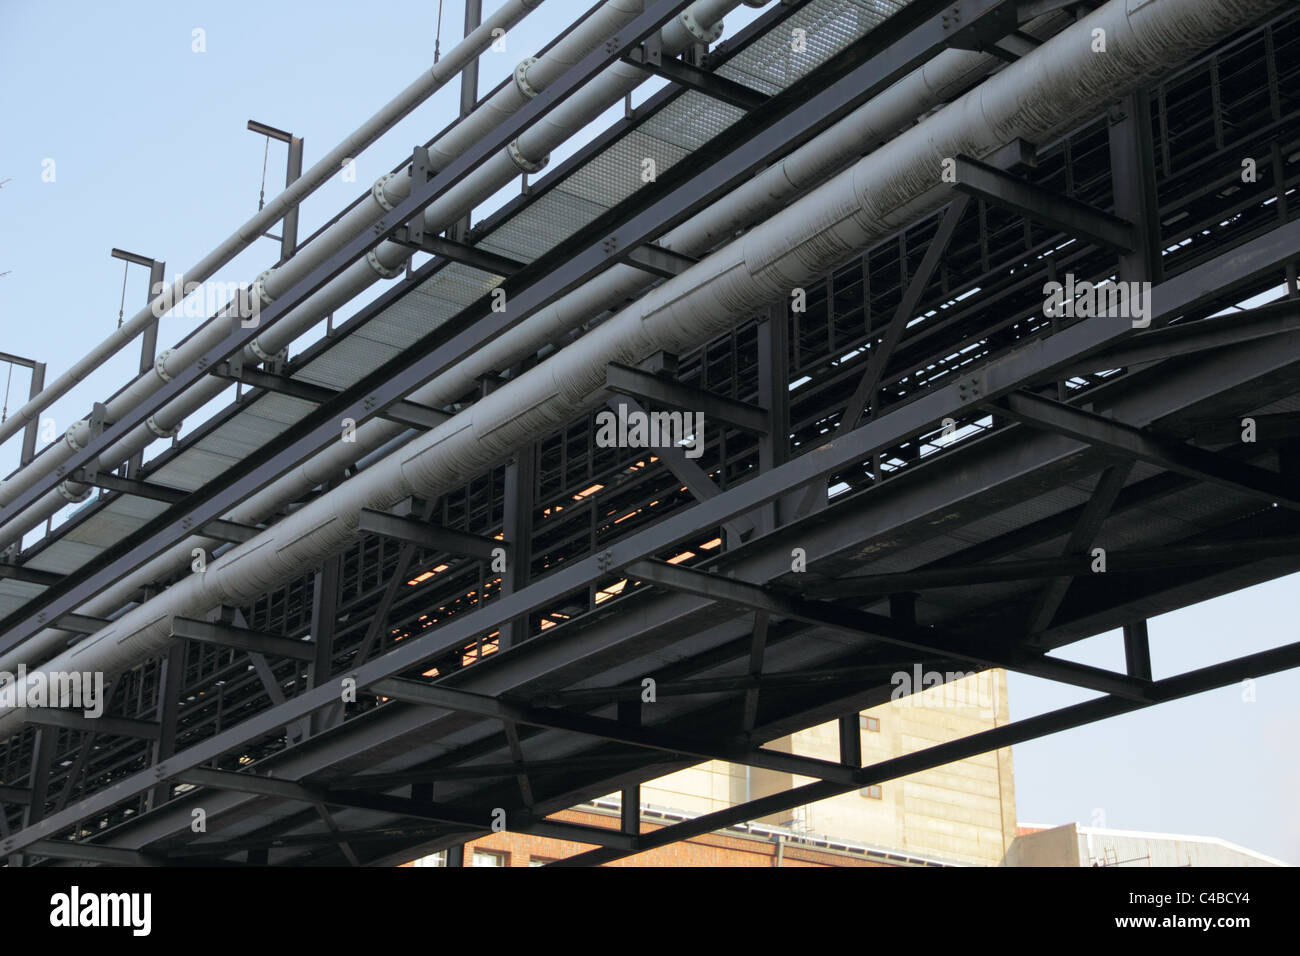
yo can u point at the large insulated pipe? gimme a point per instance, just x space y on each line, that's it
827 153
1036 98
388 259
424 86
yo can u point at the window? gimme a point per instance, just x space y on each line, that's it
871 724
436 859
488 858
540 860
872 792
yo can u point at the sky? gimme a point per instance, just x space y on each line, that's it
145 138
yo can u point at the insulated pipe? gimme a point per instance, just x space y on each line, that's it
386 260
399 107
760 197
1035 98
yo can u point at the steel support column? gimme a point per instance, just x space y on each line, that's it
520 501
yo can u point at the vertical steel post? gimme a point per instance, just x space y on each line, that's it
774 395
521 479
468 97
629 712
148 349
1133 175
324 618
38 782
289 226
851 741
1137 650
170 674
29 433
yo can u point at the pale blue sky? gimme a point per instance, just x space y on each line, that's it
151 155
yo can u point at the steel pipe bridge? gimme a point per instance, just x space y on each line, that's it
427 598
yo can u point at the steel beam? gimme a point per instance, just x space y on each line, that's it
1269 428
659 261
611 730
430 536
1043 205
460 252
410 414
930 641
1216 469
33 427
560 765
693 78
1075 565
867 388
81 623
171 678
519 501
637 383
1137 650
1187 338
90 853
695 478
1082 537
379 615
17 572
1133 182
20 795
366 800
74 720
324 623
595 696
228 635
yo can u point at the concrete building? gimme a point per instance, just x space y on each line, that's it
1074 845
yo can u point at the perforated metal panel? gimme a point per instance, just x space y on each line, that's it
828 26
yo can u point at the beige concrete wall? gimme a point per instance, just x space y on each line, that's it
1058 846
1073 845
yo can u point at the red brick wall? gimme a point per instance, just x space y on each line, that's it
713 849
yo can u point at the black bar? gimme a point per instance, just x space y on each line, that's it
227 635
429 535
1044 206
635 382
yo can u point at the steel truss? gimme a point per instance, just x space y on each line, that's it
533 705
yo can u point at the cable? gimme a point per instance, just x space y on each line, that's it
261 195
437 40
121 309
4 411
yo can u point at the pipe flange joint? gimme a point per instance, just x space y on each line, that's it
262 354
160 365
259 289
70 436
152 424
521 77
694 28
72 496
377 190
382 270
522 161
